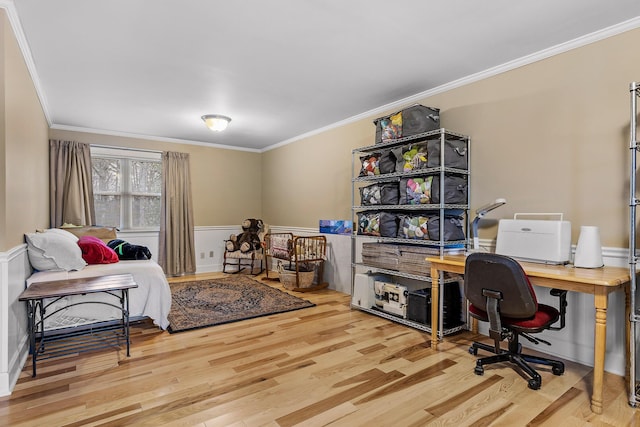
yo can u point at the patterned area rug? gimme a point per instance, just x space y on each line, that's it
211 302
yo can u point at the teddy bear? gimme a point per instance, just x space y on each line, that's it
249 239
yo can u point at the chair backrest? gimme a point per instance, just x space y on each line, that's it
502 274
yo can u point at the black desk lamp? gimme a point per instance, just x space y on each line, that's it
481 212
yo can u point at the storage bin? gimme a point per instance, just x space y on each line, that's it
379 223
413 227
453 229
419 306
415 190
410 157
379 194
407 122
455 153
455 189
288 277
370 164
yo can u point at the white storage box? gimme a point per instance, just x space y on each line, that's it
363 293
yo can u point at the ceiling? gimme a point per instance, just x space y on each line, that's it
281 69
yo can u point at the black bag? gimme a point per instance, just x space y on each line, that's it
383 224
370 164
452 228
416 190
413 227
410 121
411 157
418 119
387 162
455 189
455 153
379 194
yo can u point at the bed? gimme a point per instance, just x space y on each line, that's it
152 297
48 255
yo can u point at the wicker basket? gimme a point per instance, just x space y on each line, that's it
288 278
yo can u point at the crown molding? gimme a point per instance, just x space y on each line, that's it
613 30
16 26
152 138
620 28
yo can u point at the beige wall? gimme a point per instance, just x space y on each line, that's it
24 184
226 184
311 179
552 136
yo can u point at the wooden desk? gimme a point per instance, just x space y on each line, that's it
35 295
599 282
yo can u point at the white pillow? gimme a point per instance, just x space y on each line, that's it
63 233
54 251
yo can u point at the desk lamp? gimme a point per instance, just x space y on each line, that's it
480 213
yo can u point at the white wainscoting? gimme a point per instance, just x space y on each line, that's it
14 342
575 342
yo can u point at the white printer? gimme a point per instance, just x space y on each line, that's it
535 240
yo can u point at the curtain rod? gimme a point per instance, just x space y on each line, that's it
115 147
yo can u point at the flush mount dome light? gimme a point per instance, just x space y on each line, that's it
216 122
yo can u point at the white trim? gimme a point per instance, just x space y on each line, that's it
294 230
14 350
152 138
129 153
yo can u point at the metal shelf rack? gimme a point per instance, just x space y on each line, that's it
634 384
440 246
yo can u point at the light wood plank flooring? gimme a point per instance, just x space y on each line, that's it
326 365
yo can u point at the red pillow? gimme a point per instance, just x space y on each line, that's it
95 251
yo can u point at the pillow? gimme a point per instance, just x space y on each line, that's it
95 251
103 233
72 237
53 251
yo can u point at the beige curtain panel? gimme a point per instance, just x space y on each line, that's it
70 186
177 254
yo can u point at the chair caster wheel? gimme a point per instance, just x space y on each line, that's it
473 350
534 384
479 370
557 370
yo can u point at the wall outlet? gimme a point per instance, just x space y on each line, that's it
210 254
201 255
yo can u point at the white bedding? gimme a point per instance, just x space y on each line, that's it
152 297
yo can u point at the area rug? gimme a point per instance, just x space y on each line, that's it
203 303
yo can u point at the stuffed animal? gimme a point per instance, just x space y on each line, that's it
128 251
249 239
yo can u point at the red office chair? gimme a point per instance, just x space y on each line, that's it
499 292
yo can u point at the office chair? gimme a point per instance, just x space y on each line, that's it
499 292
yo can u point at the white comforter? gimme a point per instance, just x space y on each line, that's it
152 297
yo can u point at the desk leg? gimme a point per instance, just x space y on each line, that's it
435 307
600 299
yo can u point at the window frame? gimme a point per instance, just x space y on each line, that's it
126 156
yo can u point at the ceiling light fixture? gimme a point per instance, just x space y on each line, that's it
216 122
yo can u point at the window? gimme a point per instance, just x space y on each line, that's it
127 186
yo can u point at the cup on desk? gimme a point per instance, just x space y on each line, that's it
589 249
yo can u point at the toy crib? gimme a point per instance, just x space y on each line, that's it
300 260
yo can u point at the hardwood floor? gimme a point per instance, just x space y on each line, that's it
326 365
